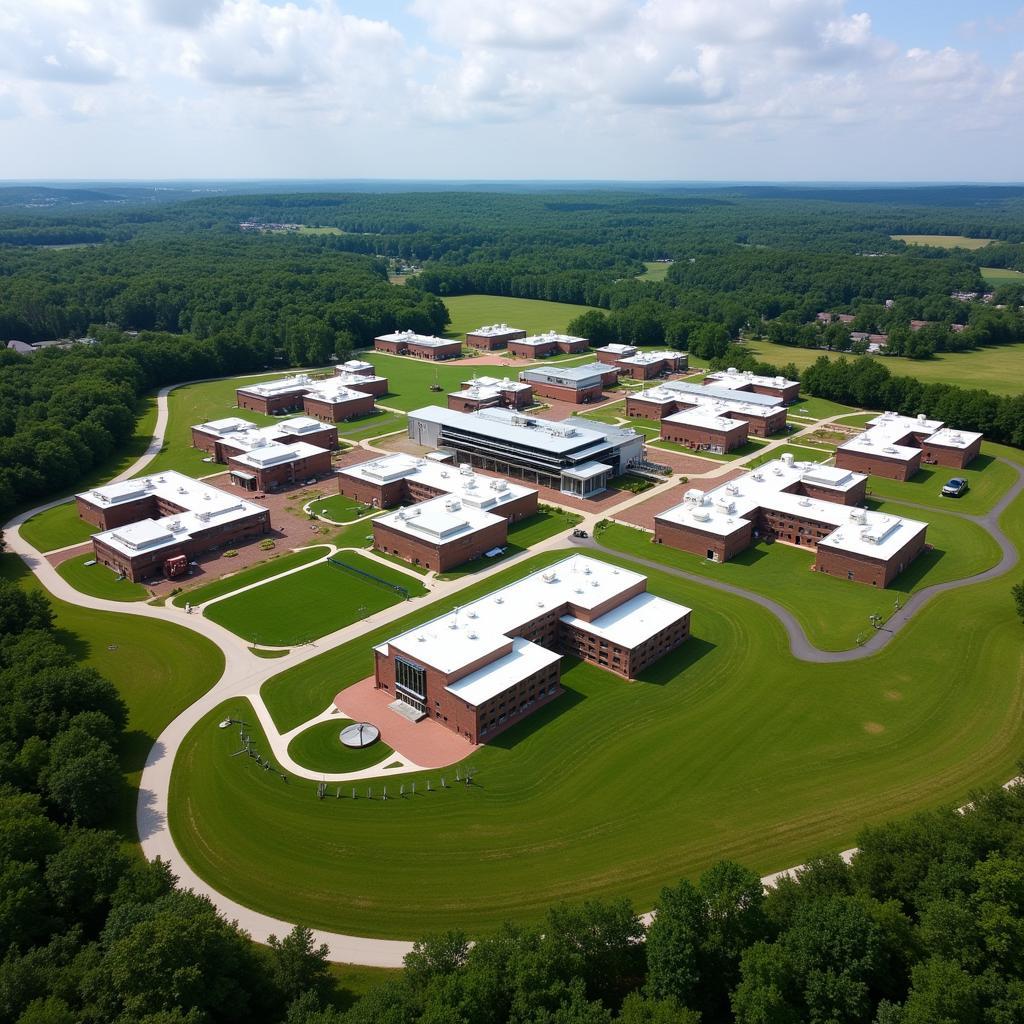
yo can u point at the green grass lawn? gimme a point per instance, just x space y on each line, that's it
944 241
57 527
1000 275
654 272
340 509
311 603
799 452
368 427
999 368
319 749
989 480
751 446
274 565
833 612
543 524
859 419
159 668
535 316
98 581
727 748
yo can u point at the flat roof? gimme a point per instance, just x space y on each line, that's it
525 659
733 378
334 391
894 424
646 358
282 386
548 338
501 384
440 520
587 470
412 338
460 637
273 454
694 394
245 435
350 377
617 349
870 443
204 506
704 416
730 507
571 376
633 622
494 330
947 437
559 436
353 365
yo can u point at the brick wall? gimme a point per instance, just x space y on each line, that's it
694 436
274 405
438 557
877 464
336 412
435 352
396 348
578 396
532 351
287 474
861 569
370 387
697 542
107 517
957 458
649 410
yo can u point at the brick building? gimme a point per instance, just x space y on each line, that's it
493 337
895 446
419 346
330 401
369 383
539 345
273 397
642 365
333 402
577 384
269 467
356 366
763 415
231 436
784 391
489 393
799 503
487 665
611 354
150 519
702 429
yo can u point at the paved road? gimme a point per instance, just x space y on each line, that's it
244 674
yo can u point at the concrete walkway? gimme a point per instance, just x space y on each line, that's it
244 675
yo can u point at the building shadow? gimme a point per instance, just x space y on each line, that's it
543 716
666 670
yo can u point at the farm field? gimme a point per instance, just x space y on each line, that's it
944 241
535 316
228 584
311 603
999 369
655 271
733 749
319 749
1000 275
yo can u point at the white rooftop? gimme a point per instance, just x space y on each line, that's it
245 436
463 636
646 358
733 378
334 391
688 390
947 437
548 338
493 330
300 382
578 376
727 509
522 661
884 433
704 416
486 493
633 622
501 384
440 520
871 443
616 349
353 366
719 403
412 338
274 454
203 506
352 378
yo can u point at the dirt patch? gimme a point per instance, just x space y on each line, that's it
874 728
893 695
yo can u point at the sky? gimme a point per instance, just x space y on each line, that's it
684 90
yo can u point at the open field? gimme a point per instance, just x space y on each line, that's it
228 584
98 581
944 241
522 535
1000 275
368 427
999 369
832 615
311 603
535 316
654 272
159 668
319 749
731 749
340 509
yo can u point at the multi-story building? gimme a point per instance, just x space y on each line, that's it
784 391
800 503
149 520
490 392
357 366
332 402
271 466
763 414
577 384
642 365
487 665
232 436
328 400
539 345
370 383
493 337
419 346
574 456
703 429
894 446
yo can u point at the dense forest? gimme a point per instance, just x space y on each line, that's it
926 926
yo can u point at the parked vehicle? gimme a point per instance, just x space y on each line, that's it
955 487
580 533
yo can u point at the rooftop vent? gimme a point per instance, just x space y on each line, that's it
550 576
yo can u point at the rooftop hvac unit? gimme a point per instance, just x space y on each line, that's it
726 505
466 469
587 570
858 515
499 600
701 516
780 381
400 514
550 576
471 614
540 604
889 450
921 418
757 475
175 526
472 634
731 370
452 505
957 438
732 489
805 502
595 583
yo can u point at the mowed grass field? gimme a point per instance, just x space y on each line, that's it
535 316
729 747
654 272
1001 275
99 581
311 603
999 369
944 241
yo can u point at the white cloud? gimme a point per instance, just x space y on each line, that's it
181 13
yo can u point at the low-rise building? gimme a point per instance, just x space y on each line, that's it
800 503
577 384
539 345
493 337
574 456
330 401
612 353
419 346
782 390
231 436
894 446
273 397
489 664
648 365
147 521
703 429
271 466
359 366
763 414
370 383
489 393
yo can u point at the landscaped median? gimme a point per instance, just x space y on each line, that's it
728 748
319 749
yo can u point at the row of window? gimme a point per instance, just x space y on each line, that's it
500 719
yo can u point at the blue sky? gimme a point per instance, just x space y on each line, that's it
637 89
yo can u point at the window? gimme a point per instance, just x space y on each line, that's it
411 678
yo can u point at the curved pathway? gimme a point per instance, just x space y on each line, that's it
244 674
